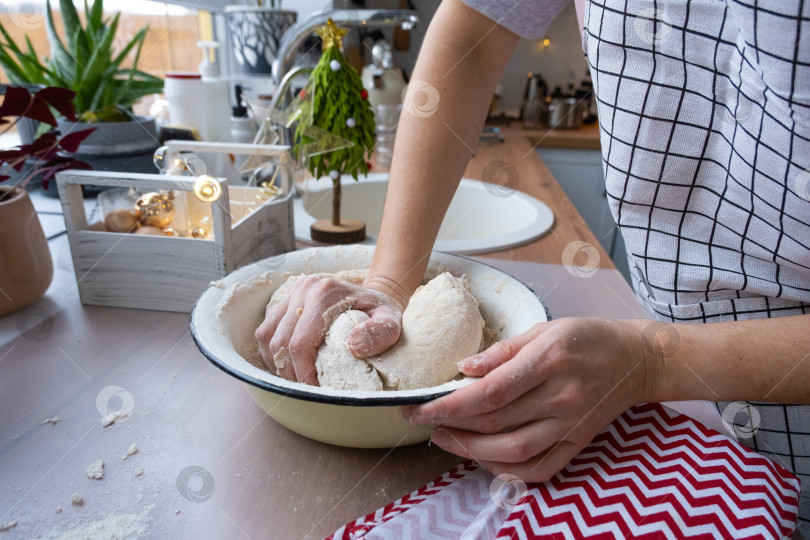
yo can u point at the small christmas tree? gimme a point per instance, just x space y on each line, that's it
335 101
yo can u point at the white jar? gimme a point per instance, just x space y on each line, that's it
186 95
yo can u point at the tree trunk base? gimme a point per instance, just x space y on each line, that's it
350 231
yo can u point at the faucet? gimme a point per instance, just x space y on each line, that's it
297 33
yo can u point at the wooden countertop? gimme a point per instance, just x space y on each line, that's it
583 138
532 177
213 463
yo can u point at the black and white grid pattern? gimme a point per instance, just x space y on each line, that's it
704 108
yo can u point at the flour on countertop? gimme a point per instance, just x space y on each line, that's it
138 471
8 525
76 499
95 471
131 451
116 527
53 421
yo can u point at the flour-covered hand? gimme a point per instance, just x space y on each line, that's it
544 395
295 327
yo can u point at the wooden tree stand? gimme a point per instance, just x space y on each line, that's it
337 230
350 231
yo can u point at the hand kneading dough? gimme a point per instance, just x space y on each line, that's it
440 326
337 367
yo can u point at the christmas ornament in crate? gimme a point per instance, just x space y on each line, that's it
170 237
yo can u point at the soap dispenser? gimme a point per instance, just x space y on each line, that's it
217 122
382 79
243 128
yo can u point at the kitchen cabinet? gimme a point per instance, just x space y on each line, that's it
580 174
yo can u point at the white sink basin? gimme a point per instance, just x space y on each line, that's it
481 218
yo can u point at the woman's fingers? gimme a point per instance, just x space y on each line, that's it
530 407
541 467
266 331
293 329
517 446
278 353
499 388
377 334
501 352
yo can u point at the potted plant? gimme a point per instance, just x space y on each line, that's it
26 267
256 32
87 64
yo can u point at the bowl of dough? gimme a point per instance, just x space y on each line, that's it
462 307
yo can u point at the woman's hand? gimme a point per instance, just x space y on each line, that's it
544 395
294 328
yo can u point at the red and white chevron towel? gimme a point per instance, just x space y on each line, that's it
653 473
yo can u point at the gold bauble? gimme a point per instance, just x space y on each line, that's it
170 232
152 231
199 232
120 220
155 210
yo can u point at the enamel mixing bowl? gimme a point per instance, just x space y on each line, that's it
227 314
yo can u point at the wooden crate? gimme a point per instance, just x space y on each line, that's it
164 273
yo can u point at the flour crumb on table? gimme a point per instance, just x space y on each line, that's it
176 511
53 421
131 451
58 510
138 471
8 525
116 527
76 499
95 471
108 420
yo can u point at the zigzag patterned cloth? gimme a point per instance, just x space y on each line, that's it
653 473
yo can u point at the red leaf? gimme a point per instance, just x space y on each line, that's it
60 99
19 102
79 164
14 157
16 101
4 177
61 164
39 111
50 170
71 141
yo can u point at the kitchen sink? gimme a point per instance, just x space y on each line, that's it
482 217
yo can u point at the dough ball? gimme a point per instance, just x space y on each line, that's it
337 367
441 326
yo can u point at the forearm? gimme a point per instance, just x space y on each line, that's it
756 360
461 61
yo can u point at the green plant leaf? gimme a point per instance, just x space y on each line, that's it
136 40
70 19
61 61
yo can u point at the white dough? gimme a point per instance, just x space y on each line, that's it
95 471
337 367
441 326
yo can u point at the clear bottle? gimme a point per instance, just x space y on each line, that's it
217 122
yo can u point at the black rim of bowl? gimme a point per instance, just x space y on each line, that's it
305 395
